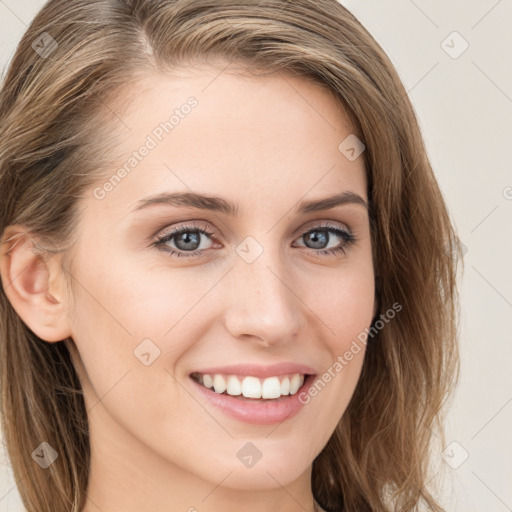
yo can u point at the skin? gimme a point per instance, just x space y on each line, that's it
266 143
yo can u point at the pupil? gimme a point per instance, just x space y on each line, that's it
187 238
313 236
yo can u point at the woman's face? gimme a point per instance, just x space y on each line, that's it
245 285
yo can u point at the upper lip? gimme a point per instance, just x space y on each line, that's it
258 370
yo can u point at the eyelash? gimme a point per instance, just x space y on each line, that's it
347 237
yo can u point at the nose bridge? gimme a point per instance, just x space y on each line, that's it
261 302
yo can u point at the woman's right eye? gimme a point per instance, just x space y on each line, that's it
185 237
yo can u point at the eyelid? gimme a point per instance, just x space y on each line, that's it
344 233
189 225
321 223
206 227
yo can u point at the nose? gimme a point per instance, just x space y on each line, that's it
261 304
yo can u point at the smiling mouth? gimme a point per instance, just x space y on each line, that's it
250 387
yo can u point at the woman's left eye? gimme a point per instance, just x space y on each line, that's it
187 240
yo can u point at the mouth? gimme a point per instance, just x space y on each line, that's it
252 388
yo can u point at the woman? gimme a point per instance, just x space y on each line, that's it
228 272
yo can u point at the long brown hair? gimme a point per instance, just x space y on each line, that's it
74 59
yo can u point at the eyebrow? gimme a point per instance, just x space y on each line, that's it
218 204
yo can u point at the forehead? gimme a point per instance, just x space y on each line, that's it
266 138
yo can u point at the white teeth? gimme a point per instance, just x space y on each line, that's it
296 383
234 387
219 384
207 381
285 386
271 388
253 387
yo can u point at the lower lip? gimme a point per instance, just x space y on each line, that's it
262 412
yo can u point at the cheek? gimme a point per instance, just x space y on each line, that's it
130 329
132 324
344 302
130 301
343 313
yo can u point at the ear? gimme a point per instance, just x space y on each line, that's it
29 278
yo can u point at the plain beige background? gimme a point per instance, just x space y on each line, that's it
454 59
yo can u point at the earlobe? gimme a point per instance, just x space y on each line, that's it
28 277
